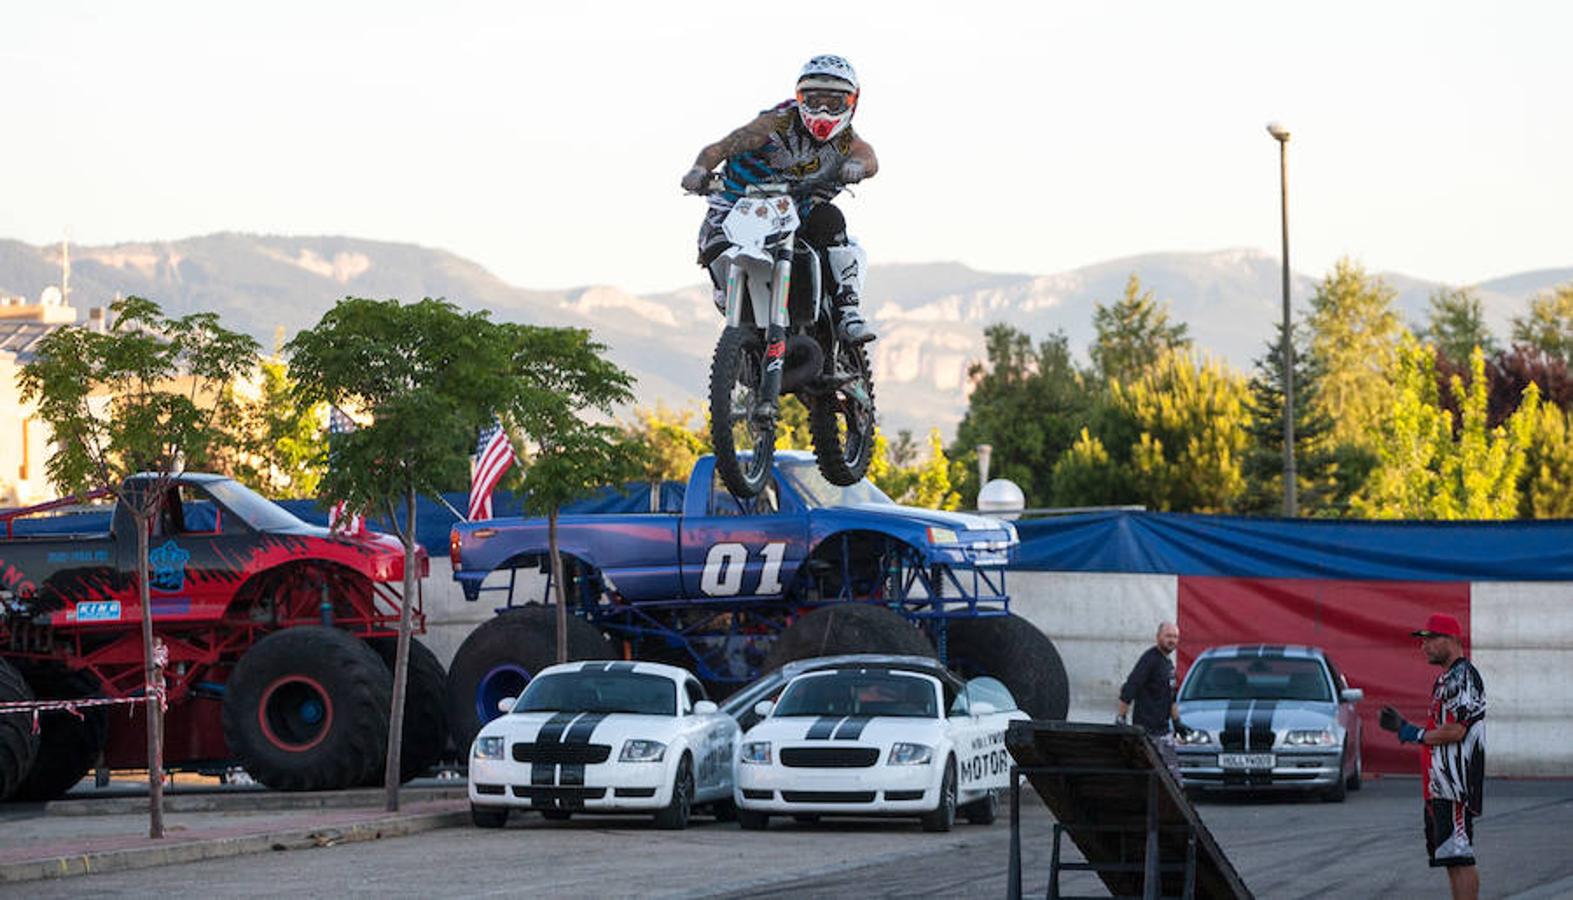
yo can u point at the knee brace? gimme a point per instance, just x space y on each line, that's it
847 264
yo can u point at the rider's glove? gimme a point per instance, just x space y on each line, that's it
1408 733
853 171
694 179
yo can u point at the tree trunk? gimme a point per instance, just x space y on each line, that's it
155 717
557 582
401 656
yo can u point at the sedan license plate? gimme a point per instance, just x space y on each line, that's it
1245 760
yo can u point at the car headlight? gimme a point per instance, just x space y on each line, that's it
755 753
1195 736
489 747
910 754
942 536
1308 738
642 751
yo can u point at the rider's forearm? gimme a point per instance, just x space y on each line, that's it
750 137
864 154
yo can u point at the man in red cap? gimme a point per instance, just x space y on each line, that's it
1454 750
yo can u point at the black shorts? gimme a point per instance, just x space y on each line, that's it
1450 833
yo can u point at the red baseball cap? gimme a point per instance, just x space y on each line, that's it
1440 625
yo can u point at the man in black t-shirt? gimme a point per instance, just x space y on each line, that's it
1151 687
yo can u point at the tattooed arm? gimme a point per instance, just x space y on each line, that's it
750 137
863 152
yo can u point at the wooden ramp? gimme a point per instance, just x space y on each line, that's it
1111 794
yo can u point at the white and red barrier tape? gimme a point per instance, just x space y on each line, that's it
34 707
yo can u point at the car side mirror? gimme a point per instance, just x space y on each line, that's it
505 705
984 708
763 708
1351 695
705 708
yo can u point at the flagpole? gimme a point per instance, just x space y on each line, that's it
456 514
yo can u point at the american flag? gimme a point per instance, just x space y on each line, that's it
340 519
493 456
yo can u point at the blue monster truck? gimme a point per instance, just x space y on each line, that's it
731 588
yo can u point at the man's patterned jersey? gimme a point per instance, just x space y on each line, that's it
790 155
1457 771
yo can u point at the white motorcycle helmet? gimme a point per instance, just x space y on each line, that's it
827 95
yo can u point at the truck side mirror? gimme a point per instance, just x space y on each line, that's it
763 708
505 705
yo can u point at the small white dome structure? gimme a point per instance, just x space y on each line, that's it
1002 499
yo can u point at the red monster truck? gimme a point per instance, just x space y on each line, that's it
280 638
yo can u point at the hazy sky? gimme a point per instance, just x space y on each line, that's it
545 140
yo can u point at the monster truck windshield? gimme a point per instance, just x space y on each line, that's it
257 511
819 493
601 692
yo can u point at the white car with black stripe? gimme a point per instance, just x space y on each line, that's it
604 737
1269 717
888 739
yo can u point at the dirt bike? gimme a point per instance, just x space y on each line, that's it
780 338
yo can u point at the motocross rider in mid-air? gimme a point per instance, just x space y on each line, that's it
809 143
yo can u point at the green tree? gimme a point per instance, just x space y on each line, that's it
278 443
429 377
1028 403
914 482
1433 467
565 388
671 444
1316 468
1456 324
1172 439
166 382
1132 333
1547 482
1354 332
1549 323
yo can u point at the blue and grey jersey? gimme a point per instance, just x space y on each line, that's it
791 155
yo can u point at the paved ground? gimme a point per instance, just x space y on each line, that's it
1367 847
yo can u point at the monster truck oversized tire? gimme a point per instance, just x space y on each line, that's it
501 655
843 457
425 708
67 746
1014 651
848 628
306 709
18 744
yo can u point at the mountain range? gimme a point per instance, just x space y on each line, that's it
930 316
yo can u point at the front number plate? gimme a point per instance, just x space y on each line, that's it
1245 760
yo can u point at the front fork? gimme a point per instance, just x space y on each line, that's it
775 328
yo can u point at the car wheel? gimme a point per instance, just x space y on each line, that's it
556 815
1340 788
943 818
724 810
983 812
488 816
1354 780
752 820
675 816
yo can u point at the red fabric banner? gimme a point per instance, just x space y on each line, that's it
1363 626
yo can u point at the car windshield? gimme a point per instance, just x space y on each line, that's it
1256 678
257 511
819 493
859 694
600 692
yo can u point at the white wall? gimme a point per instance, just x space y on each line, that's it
1100 623
450 618
1521 636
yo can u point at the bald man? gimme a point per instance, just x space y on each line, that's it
1151 686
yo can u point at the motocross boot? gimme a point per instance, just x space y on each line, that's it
850 324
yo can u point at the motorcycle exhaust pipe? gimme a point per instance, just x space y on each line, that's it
804 362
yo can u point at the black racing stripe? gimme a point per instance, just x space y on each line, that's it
550 733
852 728
1232 737
620 667
573 773
594 667
822 729
1271 650
1259 733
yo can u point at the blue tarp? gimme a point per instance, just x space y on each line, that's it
1180 544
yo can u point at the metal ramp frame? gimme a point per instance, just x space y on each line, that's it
1112 794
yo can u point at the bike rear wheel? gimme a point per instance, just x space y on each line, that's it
842 421
742 431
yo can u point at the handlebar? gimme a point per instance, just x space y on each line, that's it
715 184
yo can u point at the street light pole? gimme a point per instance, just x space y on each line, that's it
1281 134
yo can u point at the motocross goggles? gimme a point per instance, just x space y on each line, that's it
828 102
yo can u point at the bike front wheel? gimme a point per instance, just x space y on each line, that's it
842 421
742 423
